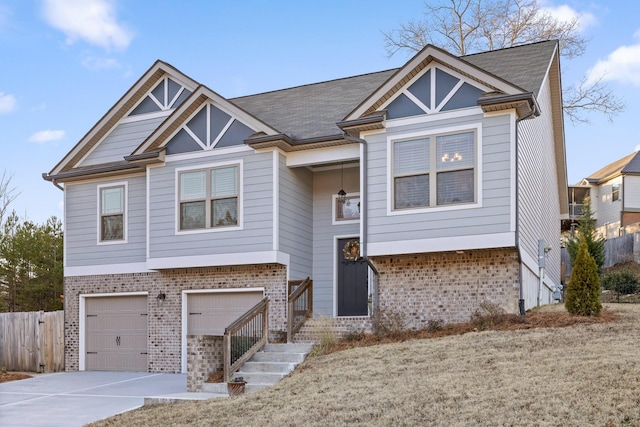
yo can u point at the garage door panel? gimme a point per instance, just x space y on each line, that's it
211 313
116 338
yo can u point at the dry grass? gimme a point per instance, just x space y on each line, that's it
585 374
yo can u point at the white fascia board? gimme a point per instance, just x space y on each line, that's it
442 244
248 258
97 270
323 155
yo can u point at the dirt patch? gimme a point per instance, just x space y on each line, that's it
12 376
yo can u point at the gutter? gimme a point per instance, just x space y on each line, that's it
534 111
363 218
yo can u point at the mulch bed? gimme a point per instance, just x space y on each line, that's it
12 376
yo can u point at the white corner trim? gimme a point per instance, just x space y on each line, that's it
248 258
442 244
97 270
276 200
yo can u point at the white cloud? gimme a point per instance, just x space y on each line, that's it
621 65
95 64
7 103
93 21
566 13
46 136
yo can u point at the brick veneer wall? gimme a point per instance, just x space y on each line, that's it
447 286
204 357
165 321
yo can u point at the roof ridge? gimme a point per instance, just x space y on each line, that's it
509 47
313 84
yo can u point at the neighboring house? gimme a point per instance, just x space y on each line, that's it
184 208
614 191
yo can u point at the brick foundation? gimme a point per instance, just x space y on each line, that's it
204 357
165 321
447 286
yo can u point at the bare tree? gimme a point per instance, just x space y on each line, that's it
467 26
7 194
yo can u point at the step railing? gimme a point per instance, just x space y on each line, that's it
300 305
245 337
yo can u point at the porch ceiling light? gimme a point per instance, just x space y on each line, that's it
342 195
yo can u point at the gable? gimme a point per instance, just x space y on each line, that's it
432 90
166 95
209 128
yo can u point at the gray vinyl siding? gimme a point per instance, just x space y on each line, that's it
608 209
81 225
539 208
492 217
122 141
325 185
630 193
256 234
296 218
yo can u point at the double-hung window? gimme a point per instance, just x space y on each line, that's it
435 170
209 197
112 213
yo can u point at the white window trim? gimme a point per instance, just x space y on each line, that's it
239 226
477 127
125 216
334 205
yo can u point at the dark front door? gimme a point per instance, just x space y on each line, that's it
353 286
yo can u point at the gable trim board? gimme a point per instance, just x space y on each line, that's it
127 102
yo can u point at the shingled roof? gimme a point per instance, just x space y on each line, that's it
312 110
629 164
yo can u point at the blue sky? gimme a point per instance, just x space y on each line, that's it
64 63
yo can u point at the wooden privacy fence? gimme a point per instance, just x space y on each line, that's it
32 342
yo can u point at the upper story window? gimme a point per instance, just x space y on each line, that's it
209 198
615 192
112 213
435 170
347 210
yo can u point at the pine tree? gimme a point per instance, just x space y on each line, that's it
587 231
583 291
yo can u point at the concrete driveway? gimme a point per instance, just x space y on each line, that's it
77 398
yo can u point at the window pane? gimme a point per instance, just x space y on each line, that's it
112 200
349 210
224 182
225 212
192 215
411 157
455 187
411 191
455 151
193 185
112 227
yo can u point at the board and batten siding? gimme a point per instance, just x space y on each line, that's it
631 193
325 185
256 233
82 225
492 216
122 141
295 220
539 206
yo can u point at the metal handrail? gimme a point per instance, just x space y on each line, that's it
245 337
300 306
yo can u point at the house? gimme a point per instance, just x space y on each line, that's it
424 190
614 192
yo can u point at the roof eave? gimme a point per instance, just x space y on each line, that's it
99 171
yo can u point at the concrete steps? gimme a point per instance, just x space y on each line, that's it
266 368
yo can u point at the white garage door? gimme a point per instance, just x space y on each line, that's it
211 313
116 333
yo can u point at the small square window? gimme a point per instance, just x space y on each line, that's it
349 210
